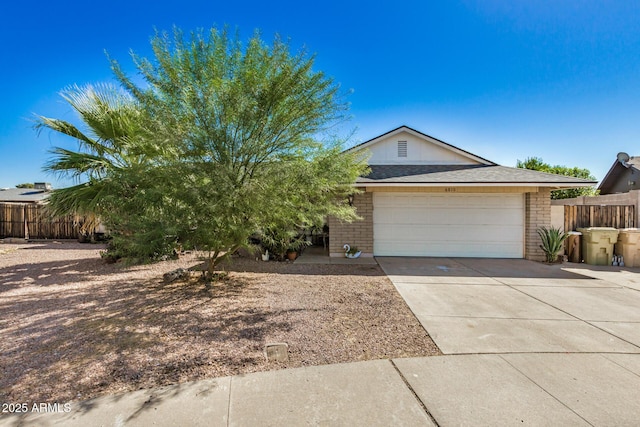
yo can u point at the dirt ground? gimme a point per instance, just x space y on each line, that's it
73 327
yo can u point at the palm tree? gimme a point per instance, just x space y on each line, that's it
111 142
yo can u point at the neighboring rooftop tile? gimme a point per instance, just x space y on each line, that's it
22 195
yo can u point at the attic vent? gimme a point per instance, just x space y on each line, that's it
402 148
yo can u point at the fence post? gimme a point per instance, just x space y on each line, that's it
26 223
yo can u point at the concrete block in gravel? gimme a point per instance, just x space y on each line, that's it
277 352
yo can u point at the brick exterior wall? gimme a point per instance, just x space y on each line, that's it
360 233
357 233
537 214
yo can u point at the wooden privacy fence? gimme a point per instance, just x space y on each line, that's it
23 220
618 216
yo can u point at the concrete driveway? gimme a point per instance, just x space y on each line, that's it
547 345
471 305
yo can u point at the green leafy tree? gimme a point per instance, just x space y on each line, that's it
25 185
537 164
246 122
228 140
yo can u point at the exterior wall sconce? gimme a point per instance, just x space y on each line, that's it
350 199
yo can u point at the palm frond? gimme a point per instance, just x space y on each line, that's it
65 128
83 201
76 164
109 112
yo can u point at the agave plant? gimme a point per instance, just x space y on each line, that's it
552 241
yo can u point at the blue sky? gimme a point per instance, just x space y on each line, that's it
502 79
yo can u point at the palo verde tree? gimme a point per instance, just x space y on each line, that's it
536 163
245 137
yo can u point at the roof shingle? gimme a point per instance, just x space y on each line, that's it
465 174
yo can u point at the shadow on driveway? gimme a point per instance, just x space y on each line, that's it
475 267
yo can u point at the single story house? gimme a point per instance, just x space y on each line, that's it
425 197
623 176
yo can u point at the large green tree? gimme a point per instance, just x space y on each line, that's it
537 164
230 139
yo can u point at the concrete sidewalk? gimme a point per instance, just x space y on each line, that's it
471 390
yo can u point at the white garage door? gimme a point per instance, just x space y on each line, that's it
457 225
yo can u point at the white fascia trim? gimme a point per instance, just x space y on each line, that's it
472 184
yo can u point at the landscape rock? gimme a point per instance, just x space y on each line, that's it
277 352
174 275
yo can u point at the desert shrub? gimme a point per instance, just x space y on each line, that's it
552 242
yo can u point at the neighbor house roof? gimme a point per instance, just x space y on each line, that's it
22 195
616 172
437 175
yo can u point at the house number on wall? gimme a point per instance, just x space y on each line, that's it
449 189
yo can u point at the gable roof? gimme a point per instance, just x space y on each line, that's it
424 136
483 173
471 175
616 171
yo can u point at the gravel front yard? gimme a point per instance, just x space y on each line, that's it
73 327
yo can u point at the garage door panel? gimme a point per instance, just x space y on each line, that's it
395 215
441 235
461 218
441 216
419 224
471 233
449 249
448 200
